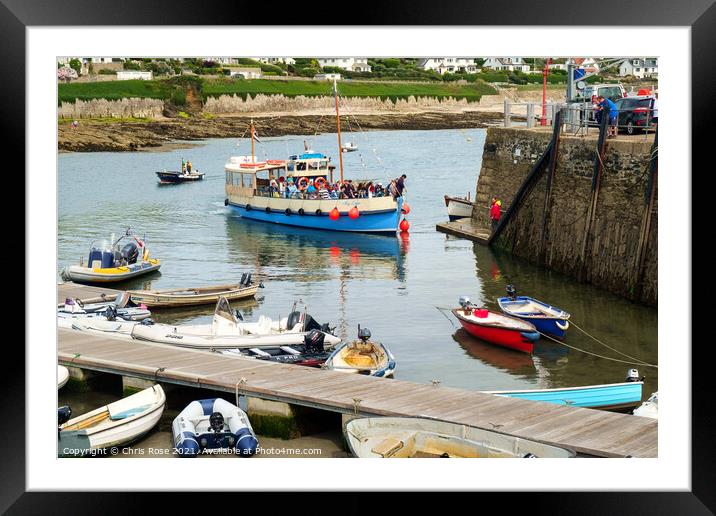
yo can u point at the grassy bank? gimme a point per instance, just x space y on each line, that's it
161 89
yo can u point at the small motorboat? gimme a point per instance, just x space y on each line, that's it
496 328
117 424
612 396
174 177
416 437
546 318
650 408
311 353
118 309
226 332
349 147
196 296
362 356
107 262
98 325
63 374
210 425
459 207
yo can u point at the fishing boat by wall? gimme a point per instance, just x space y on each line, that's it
458 207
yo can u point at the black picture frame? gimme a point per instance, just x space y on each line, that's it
700 16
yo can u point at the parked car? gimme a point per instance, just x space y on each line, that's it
635 113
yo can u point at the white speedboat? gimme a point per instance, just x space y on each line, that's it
407 437
213 424
459 207
63 374
363 357
650 408
116 424
227 332
349 147
119 309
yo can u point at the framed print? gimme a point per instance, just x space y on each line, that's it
215 243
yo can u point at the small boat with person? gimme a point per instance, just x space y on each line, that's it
612 396
417 437
546 318
116 424
194 296
227 332
496 328
108 263
362 356
459 207
206 426
187 174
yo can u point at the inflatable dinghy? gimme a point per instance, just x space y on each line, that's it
118 309
207 426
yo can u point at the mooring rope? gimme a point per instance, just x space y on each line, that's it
609 347
638 362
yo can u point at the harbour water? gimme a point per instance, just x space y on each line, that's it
392 285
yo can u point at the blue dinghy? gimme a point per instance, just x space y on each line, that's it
213 424
611 396
547 319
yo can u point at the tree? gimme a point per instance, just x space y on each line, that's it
76 65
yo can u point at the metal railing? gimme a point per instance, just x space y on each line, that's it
579 118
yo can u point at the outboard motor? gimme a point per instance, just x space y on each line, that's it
216 422
465 302
633 376
243 279
64 414
293 319
130 252
248 280
364 334
511 292
111 313
313 342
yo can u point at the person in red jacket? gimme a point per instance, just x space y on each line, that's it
495 213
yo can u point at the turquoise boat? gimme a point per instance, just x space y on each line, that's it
612 396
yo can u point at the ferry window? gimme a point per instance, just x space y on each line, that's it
229 178
247 180
236 179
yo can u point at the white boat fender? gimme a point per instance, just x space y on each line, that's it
228 427
563 327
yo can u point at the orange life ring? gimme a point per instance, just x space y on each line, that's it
320 183
302 183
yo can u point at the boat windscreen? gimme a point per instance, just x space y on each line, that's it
223 309
121 300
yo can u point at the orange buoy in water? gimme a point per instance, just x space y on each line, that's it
354 213
406 208
404 225
334 214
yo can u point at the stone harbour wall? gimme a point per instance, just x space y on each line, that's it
611 258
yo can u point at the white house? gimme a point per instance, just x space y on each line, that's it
640 68
444 65
509 64
124 75
275 60
353 64
247 72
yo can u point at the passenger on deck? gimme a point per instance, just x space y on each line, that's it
311 190
324 193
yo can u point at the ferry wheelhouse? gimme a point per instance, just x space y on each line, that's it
251 190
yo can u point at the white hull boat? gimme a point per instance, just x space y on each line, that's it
398 437
118 309
362 357
116 424
650 408
205 426
63 374
226 332
98 326
458 207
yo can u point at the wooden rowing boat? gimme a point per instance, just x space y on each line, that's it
192 296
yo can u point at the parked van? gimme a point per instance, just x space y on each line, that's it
609 91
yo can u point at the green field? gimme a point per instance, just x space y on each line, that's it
159 89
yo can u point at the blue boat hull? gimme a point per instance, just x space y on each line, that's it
367 222
552 326
617 396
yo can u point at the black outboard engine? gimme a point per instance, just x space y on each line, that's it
309 323
64 414
111 313
364 334
313 342
130 252
511 292
216 422
243 279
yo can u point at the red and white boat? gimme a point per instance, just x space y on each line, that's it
496 328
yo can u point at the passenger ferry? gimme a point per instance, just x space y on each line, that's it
251 190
